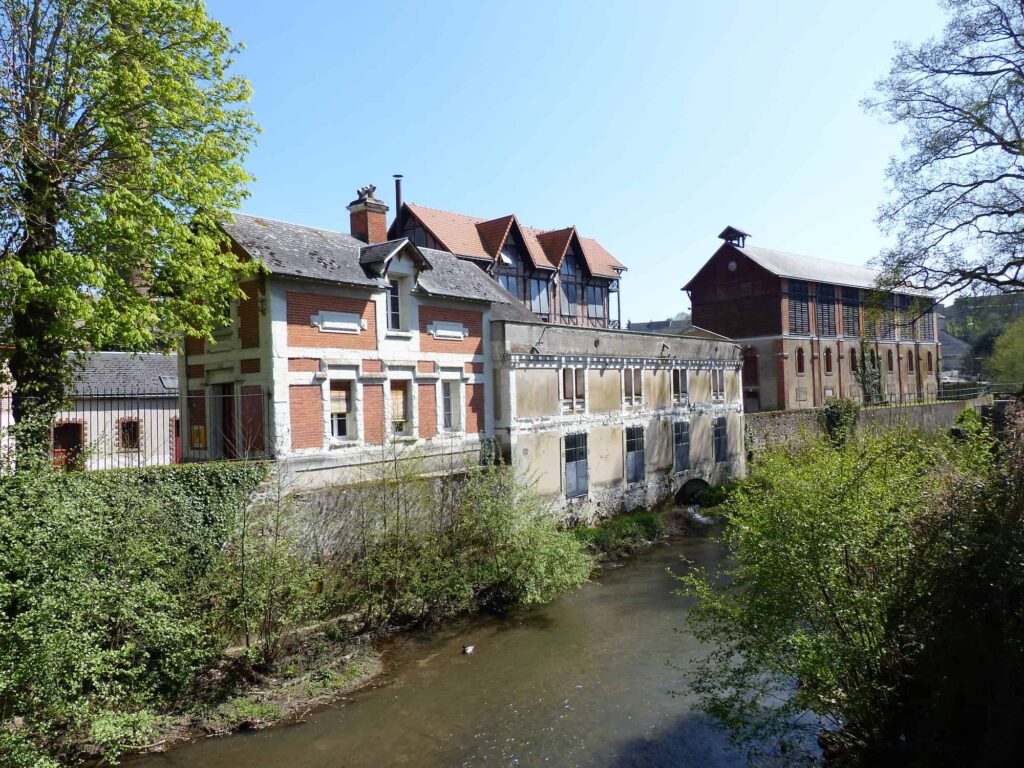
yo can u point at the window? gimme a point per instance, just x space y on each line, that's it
596 297
720 440
800 368
417 234
930 368
851 312
340 404
451 407
888 318
910 361
573 391
510 283
679 385
853 360
828 359
927 327
717 384
681 443
197 420
401 424
394 306
888 360
539 302
576 472
874 360
128 434
826 310
633 385
799 315
634 454
570 284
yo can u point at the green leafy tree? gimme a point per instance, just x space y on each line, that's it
121 143
1007 361
957 187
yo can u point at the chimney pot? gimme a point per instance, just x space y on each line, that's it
398 194
368 216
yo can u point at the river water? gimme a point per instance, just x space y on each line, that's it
583 681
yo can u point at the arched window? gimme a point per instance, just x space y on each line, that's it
930 369
874 359
910 361
853 360
800 360
888 360
828 359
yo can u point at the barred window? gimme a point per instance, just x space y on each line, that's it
720 439
681 443
799 314
927 327
576 470
826 310
889 319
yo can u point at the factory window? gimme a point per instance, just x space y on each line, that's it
576 471
634 454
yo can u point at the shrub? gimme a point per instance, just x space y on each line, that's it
623 534
837 419
716 495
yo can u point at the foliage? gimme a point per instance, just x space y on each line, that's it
958 186
837 419
101 606
868 374
623 533
1007 361
494 547
121 141
816 610
716 495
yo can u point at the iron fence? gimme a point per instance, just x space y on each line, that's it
120 429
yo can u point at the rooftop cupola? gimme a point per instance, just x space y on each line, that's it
734 236
368 216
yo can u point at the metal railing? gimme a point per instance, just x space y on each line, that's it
101 430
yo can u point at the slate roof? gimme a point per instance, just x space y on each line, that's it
293 250
130 373
792 265
476 238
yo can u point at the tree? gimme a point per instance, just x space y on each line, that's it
957 198
1007 361
121 141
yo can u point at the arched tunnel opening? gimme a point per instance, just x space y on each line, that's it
689 491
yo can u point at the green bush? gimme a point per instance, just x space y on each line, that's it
837 419
843 568
716 495
101 592
623 533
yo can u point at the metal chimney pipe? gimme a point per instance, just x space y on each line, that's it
398 193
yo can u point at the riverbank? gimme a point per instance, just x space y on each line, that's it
580 681
327 666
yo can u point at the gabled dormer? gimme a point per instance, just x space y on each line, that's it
399 263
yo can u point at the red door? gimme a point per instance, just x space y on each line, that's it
67 445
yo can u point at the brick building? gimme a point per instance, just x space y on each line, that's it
350 347
805 323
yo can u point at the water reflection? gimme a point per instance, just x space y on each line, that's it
584 681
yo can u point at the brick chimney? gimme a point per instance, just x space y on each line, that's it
368 216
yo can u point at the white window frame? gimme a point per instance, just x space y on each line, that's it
574 396
630 396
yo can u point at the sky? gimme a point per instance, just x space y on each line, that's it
648 126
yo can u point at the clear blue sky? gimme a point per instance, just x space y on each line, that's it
648 126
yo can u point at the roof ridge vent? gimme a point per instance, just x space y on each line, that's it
734 236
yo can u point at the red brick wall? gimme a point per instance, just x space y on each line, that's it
252 365
372 366
194 346
373 413
369 226
474 408
426 366
474 368
303 364
428 410
301 334
195 371
716 291
249 315
307 416
471 345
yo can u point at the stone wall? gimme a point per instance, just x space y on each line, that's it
794 427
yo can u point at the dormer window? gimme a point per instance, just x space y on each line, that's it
570 284
394 305
509 271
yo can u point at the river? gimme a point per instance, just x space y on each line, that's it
583 681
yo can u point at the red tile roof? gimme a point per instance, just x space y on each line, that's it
480 238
